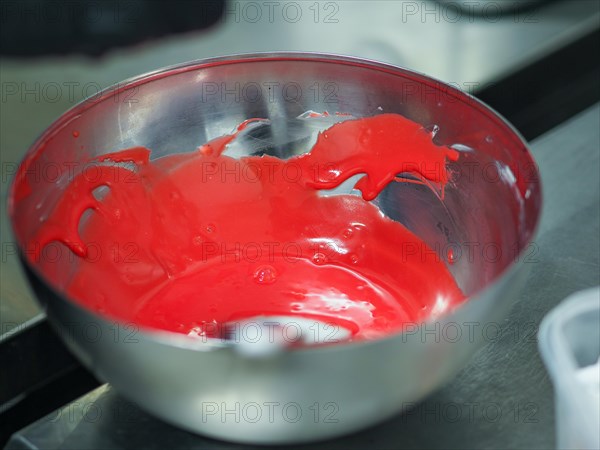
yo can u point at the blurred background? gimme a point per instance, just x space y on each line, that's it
530 60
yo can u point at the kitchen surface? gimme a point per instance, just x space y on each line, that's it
504 398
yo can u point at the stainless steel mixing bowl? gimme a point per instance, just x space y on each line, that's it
488 218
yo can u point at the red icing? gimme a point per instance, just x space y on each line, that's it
201 238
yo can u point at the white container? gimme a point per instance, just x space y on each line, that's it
569 342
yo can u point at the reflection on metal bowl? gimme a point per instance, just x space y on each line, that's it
488 217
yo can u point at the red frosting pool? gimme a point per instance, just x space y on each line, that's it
201 238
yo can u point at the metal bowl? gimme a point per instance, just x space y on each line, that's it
488 218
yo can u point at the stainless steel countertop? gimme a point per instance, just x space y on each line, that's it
423 35
503 399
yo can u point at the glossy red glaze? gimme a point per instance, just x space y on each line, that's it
205 239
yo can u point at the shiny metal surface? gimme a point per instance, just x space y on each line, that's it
182 380
502 399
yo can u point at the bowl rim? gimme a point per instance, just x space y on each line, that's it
170 338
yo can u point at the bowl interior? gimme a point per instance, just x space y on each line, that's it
485 221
